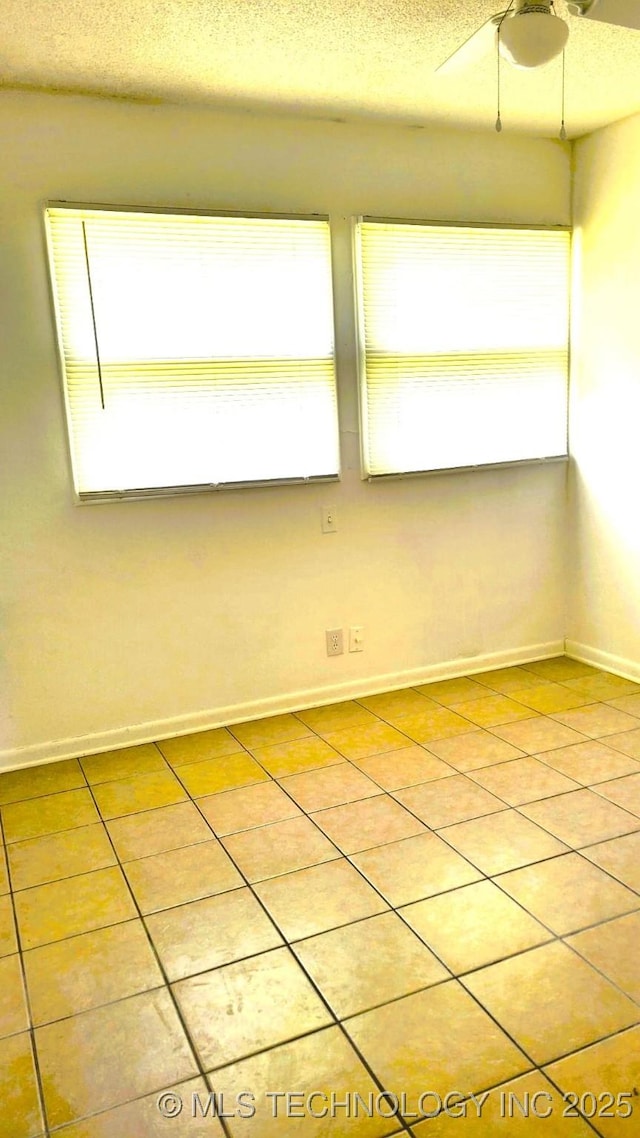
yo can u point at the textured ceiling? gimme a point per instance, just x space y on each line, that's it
340 58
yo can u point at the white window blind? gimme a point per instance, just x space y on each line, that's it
465 345
196 349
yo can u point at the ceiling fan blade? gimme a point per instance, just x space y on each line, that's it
475 47
624 13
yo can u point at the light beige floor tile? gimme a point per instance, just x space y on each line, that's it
333 716
437 1040
110 1055
538 734
596 720
613 949
448 800
499 1115
358 826
48 815
263 732
243 1007
124 763
624 792
620 857
406 767
140 792
280 848
250 806
228 772
157 831
474 926
493 709
628 742
13 1008
502 841
390 705
505 680
579 1005
568 893
591 762
363 740
21 1116
603 686
205 934
55 856
196 748
441 723
320 1065
307 754
414 868
178 876
314 900
450 692
142 1118
419 725
560 669
86 971
368 963
57 910
522 780
331 786
33 782
608 1068
549 697
581 818
628 703
4 874
8 942
474 750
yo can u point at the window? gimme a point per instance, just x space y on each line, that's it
464 345
197 349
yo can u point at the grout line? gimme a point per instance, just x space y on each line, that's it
569 1055
25 995
301 965
578 785
346 858
247 884
166 984
553 938
308 976
63 1128
47 793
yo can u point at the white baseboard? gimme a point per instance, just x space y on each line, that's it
39 753
619 665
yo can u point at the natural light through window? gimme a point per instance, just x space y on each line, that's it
464 345
198 350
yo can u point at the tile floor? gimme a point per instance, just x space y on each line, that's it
428 892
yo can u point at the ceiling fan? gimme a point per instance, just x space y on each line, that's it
530 34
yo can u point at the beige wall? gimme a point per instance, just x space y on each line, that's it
126 620
604 613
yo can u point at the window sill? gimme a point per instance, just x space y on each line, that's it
553 459
85 498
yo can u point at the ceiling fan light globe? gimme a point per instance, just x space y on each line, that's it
531 39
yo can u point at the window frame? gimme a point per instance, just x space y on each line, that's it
84 498
365 474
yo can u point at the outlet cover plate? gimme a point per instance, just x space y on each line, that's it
335 643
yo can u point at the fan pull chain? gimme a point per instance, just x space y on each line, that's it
498 120
502 19
563 132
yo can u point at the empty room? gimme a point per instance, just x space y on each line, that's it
319 564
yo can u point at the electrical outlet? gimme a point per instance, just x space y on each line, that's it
356 638
335 646
329 519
